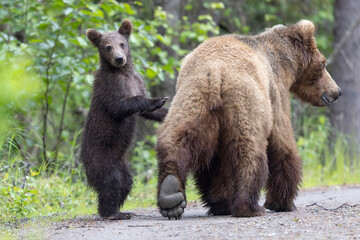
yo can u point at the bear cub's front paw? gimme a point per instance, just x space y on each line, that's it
156 103
171 201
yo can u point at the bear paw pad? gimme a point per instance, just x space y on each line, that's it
171 201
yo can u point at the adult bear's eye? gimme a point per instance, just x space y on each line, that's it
122 45
108 48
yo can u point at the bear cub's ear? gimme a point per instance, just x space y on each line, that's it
125 28
94 36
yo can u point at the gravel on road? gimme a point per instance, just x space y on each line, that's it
323 213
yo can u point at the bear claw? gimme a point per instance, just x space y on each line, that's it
120 216
280 208
171 201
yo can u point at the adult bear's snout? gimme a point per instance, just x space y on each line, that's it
340 92
328 99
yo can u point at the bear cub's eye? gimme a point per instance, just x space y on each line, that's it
108 48
122 45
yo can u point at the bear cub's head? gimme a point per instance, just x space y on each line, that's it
113 46
313 83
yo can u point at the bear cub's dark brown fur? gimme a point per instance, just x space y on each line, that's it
119 96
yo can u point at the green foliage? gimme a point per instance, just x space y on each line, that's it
26 192
254 15
143 159
19 84
326 163
54 41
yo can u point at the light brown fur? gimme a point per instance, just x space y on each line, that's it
229 122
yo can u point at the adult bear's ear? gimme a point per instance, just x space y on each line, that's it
301 35
306 28
94 36
125 28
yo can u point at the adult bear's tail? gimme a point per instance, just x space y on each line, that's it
214 79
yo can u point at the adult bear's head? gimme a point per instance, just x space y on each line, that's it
113 46
313 84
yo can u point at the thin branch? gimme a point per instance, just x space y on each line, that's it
344 39
26 18
333 209
48 65
9 33
58 140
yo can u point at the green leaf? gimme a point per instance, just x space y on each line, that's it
217 5
81 41
69 2
35 40
269 17
43 25
205 17
150 73
68 11
165 40
301 142
54 26
128 9
322 120
33 173
188 7
65 42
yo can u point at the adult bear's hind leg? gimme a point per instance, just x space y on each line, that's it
187 145
243 143
171 201
285 170
213 187
250 176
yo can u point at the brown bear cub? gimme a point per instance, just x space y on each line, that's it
229 122
119 96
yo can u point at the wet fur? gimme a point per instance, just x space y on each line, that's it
119 96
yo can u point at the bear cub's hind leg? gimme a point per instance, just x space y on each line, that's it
112 192
171 201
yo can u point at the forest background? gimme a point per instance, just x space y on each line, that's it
46 72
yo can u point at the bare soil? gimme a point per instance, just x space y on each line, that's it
323 213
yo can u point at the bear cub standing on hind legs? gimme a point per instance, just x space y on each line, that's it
119 96
229 122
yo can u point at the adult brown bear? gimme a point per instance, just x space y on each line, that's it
229 122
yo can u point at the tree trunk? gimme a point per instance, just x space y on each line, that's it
167 88
345 114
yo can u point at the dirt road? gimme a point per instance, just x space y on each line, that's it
326 213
